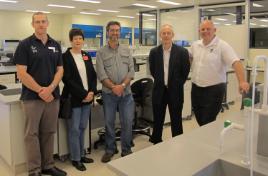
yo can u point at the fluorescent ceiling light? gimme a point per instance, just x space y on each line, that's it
264 20
253 24
150 19
221 19
34 11
144 5
210 10
227 24
264 25
123 16
257 5
62 6
169 2
90 1
231 14
10 1
90 13
103 10
216 23
145 14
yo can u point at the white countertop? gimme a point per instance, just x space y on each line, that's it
10 98
8 69
186 154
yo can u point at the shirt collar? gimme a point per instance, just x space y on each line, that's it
213 42
168 50
49 39
109 47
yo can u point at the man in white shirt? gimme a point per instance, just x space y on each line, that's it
210 58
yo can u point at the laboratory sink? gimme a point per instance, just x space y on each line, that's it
224 168
8 92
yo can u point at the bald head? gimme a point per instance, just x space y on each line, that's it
207 31
166 35
207 23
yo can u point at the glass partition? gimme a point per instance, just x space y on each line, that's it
184 22
258 36
147 28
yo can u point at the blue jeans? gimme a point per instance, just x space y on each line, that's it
125 105
76 131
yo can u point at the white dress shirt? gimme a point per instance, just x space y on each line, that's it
166 57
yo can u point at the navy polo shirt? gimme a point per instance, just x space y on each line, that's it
41 61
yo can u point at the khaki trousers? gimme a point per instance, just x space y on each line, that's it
40 127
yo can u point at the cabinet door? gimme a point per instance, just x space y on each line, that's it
7 79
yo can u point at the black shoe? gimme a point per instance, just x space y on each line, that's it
79 166
54 171
86 160
155 141
126 153
60 170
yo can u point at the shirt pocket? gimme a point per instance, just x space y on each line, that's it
53 55
125 62
107 61
108 65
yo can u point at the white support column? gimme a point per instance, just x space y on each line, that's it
158 22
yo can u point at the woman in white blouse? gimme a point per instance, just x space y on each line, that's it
80 84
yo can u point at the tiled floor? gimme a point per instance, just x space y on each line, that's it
141 142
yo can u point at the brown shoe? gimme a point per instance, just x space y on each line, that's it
126 153
107 157
35 174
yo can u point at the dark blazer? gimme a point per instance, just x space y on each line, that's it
179 67
72 81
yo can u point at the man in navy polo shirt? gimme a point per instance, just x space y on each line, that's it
39 68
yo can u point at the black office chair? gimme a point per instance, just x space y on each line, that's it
142 94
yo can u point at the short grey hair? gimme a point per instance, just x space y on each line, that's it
166 26
38 13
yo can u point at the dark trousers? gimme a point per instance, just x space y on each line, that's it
207 102
159 111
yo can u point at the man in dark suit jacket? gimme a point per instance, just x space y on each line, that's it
169 66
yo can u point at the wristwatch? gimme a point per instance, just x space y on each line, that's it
52 86
123 85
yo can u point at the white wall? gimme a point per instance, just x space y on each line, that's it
255 52
183 22
235 35
17 25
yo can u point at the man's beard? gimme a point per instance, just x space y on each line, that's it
114 38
